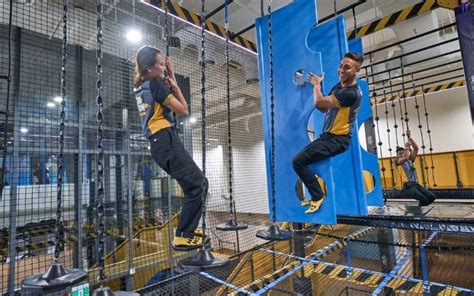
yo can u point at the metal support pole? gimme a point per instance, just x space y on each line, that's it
236 232
390 276
131 270
13 186
91 245
12 242
252 269
273 258
456 170
298 239
349 259
120 188
424 263
79 177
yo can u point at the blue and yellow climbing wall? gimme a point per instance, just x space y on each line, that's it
298 43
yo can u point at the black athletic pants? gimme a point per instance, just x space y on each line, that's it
169 153
325 146
414 190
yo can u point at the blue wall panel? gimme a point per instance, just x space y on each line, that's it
299 44
370 161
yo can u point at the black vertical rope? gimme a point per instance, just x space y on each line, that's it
395 124
394 110
7 104
229 128
389 141
424 164
272 112
402 119
165 3
376 124
380 143
404 101
59 163
428 131
203 108
100 151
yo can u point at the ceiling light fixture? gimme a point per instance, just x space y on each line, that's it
133 35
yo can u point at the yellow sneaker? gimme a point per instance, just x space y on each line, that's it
314 206
198 232
304 203
185 242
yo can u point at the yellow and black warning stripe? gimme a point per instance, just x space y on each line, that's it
195 19
419 91
372 279
37 231
338 272
115 231
382 23
267 279
50 229
416 287
405 285
395 18
451 291
71 237
36 246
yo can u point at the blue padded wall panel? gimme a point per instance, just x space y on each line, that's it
370 161
329 38
292 108
298 44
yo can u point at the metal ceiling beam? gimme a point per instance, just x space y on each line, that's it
193 18
347 8
352 6
210 14
411 38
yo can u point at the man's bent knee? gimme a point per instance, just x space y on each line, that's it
298 161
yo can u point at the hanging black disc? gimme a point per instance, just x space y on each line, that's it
232 225
274 233
202 260
56 278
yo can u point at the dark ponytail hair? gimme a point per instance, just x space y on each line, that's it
146 58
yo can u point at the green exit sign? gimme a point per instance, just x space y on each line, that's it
82 290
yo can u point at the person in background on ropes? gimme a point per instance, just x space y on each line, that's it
411 188
341 107
158 96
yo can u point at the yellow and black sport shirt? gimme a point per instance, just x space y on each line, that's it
152 98
340 120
